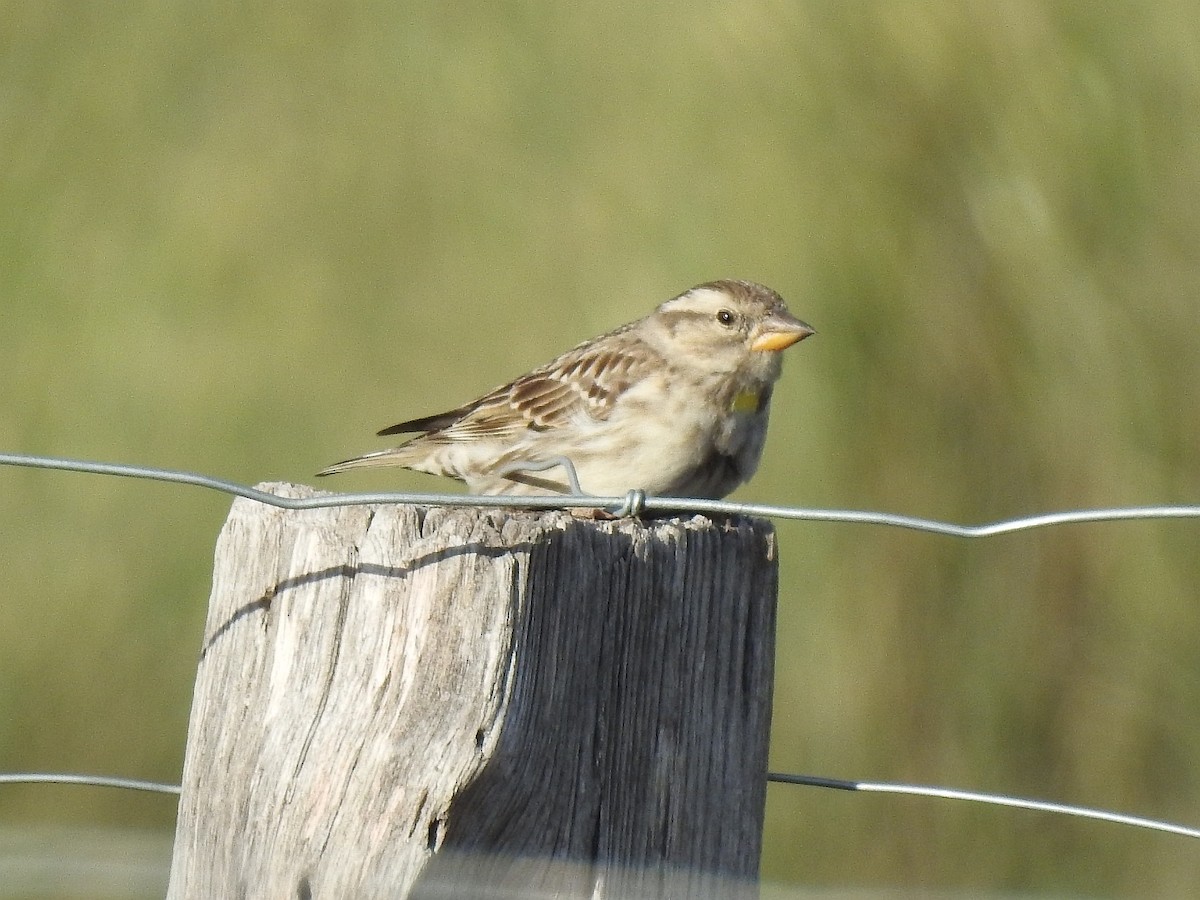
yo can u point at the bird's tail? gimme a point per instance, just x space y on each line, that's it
391 457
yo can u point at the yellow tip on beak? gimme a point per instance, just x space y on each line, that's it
782 334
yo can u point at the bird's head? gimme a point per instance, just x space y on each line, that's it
729 326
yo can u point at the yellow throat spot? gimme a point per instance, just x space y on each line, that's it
746 402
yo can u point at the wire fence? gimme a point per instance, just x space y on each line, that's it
633 503
637 502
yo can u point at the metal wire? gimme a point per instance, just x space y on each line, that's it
878 787
113 781
633 502
921 790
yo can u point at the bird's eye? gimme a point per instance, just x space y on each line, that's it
725 317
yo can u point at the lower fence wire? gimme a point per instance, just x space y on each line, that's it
819 781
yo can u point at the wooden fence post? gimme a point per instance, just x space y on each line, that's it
402 701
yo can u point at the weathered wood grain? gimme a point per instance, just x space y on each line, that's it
548 702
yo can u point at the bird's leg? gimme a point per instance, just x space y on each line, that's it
553 462
635 501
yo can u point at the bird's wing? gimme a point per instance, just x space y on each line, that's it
426 424
584 381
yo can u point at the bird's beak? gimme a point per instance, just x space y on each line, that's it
779 331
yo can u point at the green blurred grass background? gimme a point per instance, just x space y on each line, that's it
238 238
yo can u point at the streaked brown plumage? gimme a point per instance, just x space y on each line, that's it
675 404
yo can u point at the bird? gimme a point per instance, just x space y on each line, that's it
674 404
